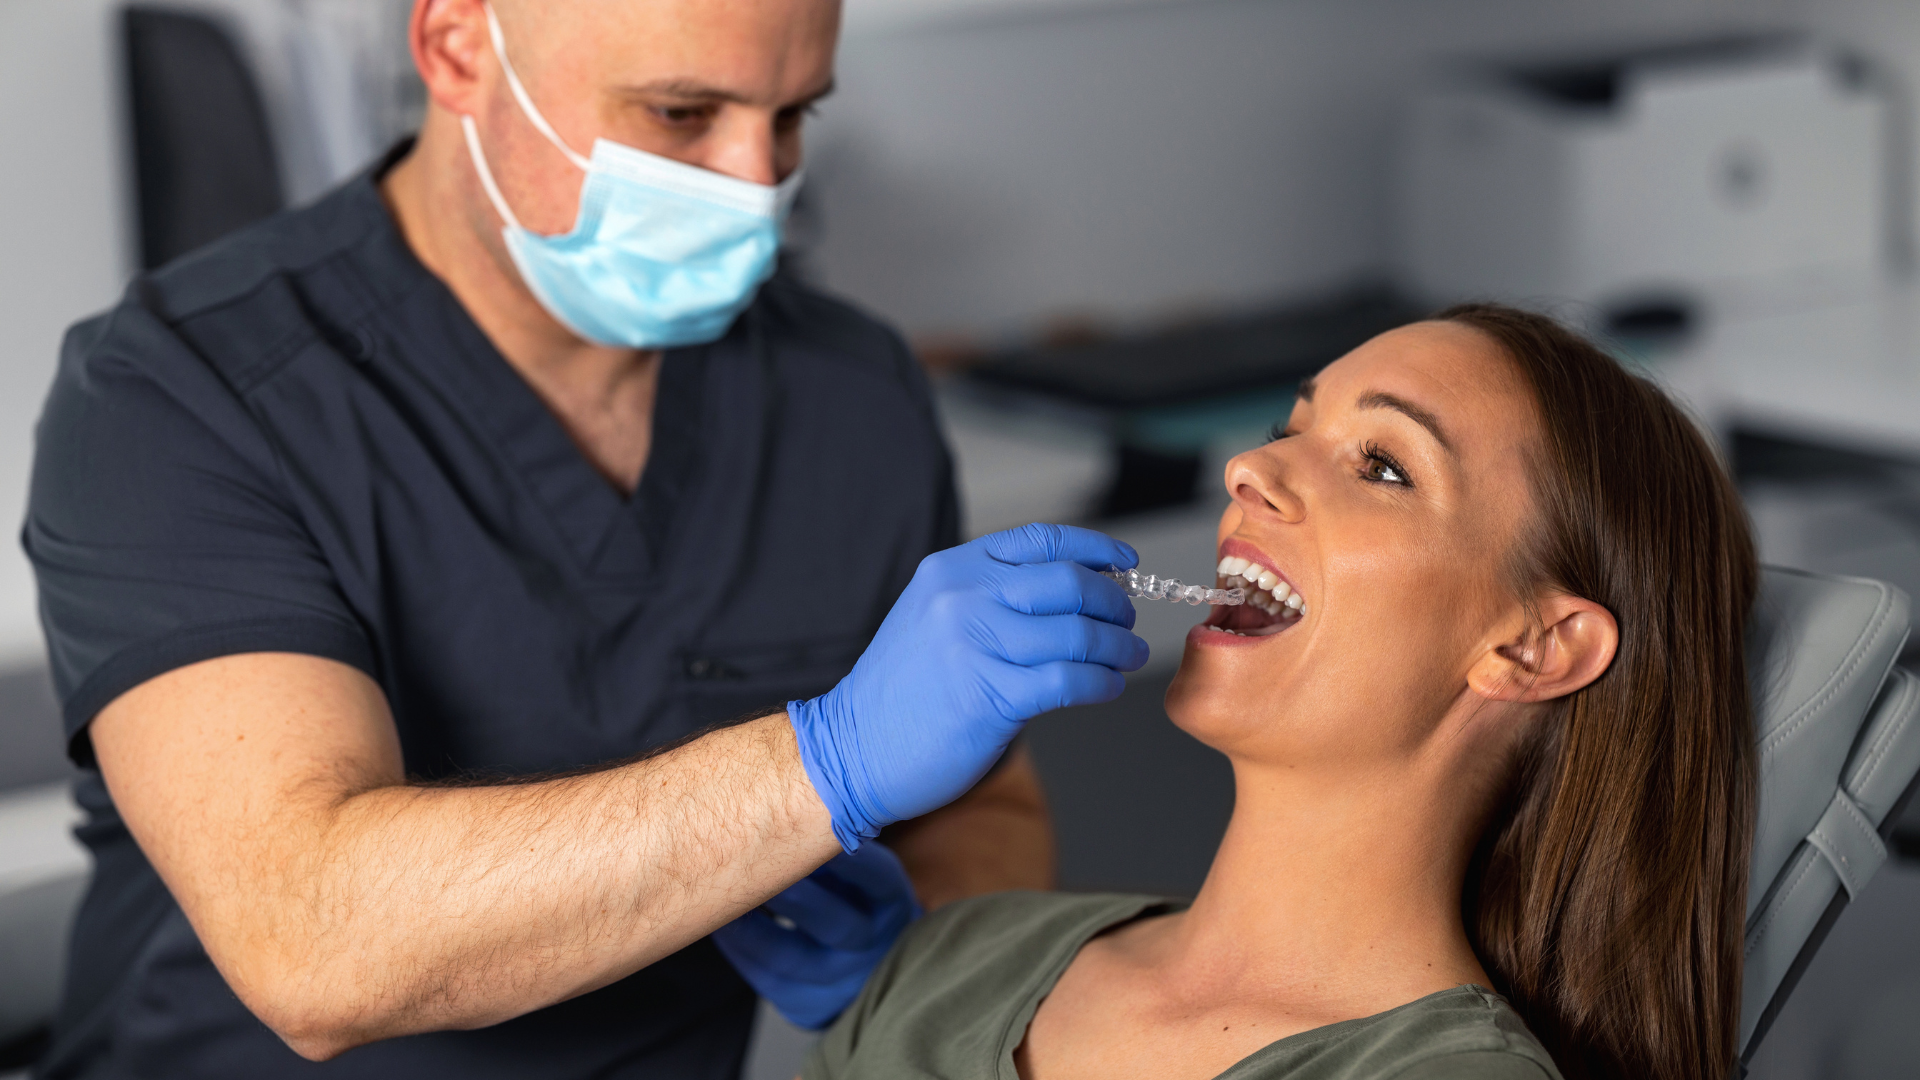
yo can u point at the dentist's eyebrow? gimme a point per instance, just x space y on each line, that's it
690 90
1380 399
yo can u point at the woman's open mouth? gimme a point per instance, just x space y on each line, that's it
1273 605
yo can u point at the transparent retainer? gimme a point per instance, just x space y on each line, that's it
1148 587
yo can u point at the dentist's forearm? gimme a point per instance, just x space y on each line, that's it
468 906
344 905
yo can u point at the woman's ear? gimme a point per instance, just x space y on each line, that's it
1571 645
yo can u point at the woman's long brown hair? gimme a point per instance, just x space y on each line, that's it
1608 896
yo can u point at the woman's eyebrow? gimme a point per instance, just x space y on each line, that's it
1380 399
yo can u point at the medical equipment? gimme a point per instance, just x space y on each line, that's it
1148 587
1736 174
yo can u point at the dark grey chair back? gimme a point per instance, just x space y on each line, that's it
203 150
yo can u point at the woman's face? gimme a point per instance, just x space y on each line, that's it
1387 510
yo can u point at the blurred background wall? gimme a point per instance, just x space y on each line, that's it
1020 184
1144 161
988 169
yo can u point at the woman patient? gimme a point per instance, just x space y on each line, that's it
1494 780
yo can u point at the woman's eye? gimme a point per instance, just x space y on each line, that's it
1380 468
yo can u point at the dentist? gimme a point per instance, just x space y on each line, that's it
401 558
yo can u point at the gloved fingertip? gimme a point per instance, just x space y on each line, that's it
1133 557
1089 684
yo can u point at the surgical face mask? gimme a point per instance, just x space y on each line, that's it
662 253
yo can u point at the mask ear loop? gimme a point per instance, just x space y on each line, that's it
520 92
498 200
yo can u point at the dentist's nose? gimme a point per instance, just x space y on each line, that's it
746 149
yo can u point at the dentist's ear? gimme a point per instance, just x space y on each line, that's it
448 39
1570 645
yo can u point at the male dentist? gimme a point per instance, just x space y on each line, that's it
398 556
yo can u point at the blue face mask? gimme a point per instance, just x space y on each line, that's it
661 254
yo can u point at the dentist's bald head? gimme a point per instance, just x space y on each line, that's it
721 84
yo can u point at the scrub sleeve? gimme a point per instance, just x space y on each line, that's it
160 535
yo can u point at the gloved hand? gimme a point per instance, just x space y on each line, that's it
810 949
987 636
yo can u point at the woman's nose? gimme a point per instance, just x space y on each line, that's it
1258 480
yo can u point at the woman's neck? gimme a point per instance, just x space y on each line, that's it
1336 890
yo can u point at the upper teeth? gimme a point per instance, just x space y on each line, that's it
1270 593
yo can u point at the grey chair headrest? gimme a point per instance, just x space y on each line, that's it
1839 735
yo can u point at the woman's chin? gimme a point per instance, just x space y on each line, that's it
1209 696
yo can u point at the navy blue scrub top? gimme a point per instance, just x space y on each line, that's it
296 440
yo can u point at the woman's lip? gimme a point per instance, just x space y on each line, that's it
1223 616
1244 550
1207 638
1210 631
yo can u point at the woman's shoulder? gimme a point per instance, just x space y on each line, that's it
999 942
1466 1032
1023 918
960 983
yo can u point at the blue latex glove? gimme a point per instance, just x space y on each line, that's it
810 949
987 636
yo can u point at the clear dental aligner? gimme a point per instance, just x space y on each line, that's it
1148 587
1267 591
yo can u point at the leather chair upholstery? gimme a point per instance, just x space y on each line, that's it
1839 731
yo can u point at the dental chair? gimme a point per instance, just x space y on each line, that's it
1839 731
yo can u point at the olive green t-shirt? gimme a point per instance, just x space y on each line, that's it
953 999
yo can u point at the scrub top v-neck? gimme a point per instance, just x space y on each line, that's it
296 440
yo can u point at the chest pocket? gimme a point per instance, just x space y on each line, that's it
728 680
